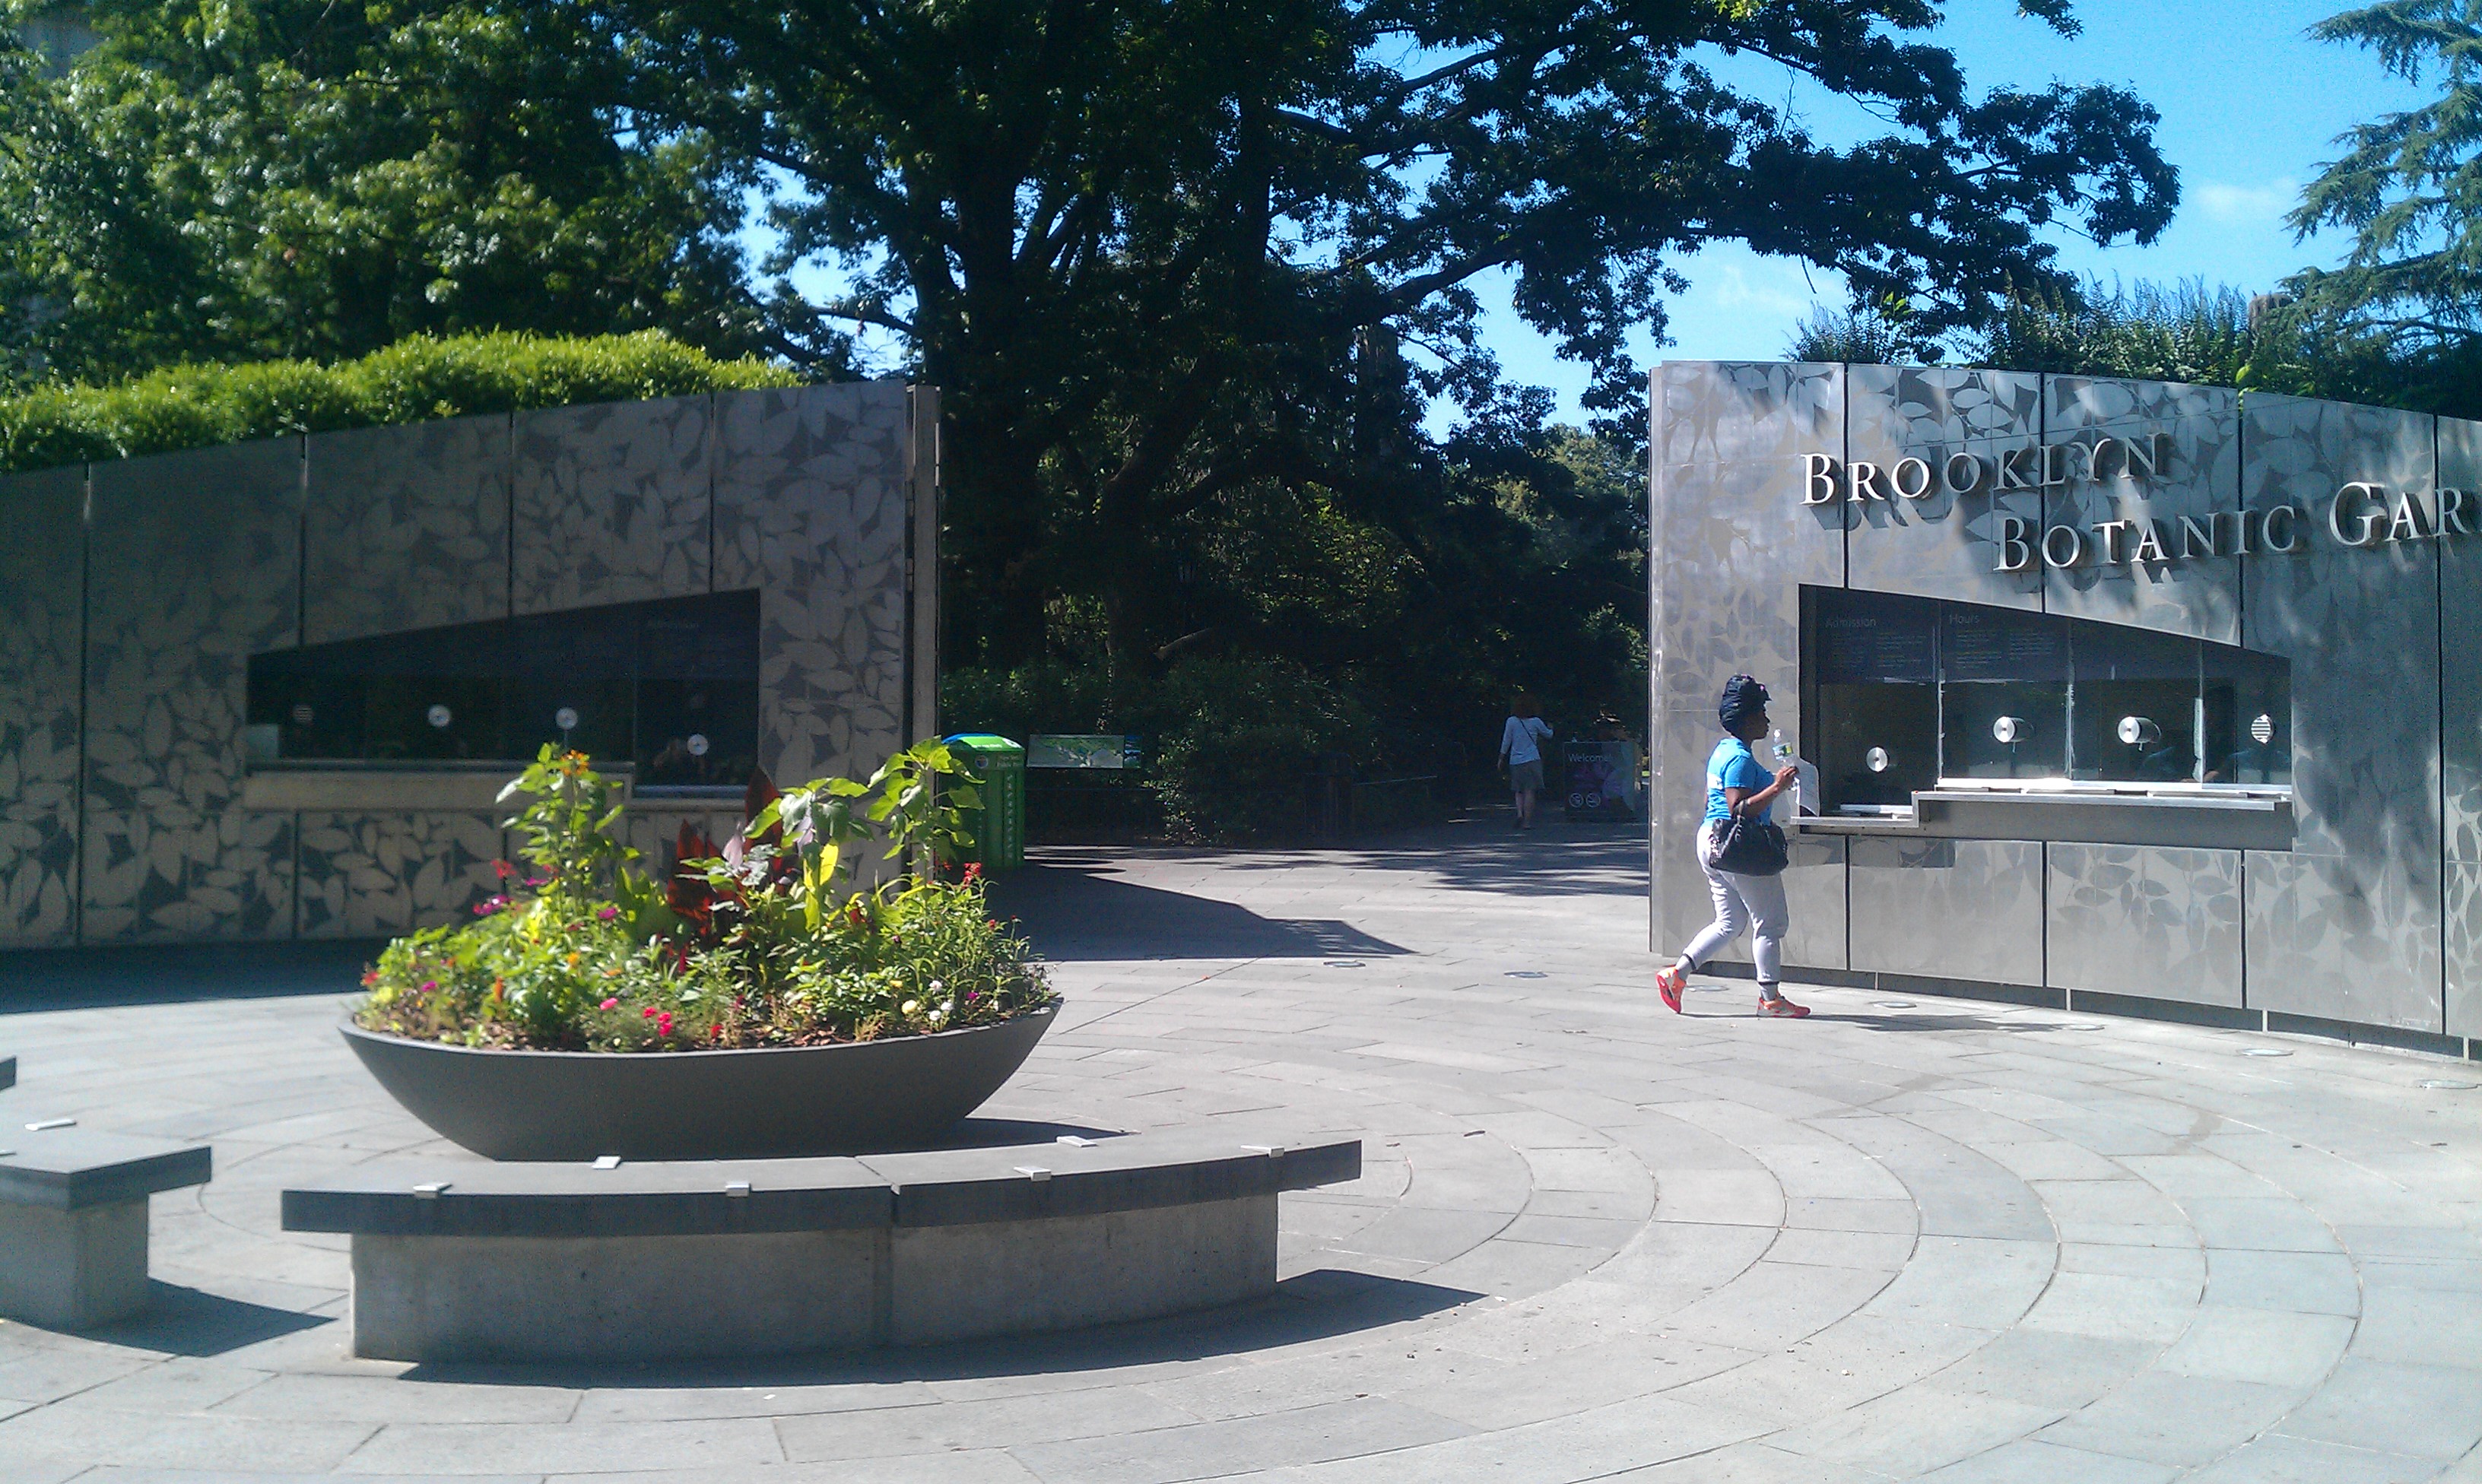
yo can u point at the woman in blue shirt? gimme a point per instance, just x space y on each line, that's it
1738 783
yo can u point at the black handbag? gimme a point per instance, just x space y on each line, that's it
1750 847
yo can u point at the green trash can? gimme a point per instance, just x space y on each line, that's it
998 823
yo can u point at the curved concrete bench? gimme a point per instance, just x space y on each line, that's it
460 1259
73 1219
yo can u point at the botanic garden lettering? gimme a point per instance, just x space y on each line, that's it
2361 513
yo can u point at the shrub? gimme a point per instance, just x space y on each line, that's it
1237 740
416 379
752 943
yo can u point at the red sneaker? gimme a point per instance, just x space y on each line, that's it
1669 982
1780 1006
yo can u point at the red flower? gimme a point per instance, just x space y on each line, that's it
503 870
648 1013
974 872
664 1024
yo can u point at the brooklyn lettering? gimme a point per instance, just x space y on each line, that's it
1824 479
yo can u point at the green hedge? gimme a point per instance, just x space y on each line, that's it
418 379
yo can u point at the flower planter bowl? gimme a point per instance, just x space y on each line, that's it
768 1102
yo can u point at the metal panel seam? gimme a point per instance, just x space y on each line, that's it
1844 450
86 581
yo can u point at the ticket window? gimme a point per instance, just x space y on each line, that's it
1901 692
2246 718
2003 694
1871 696
671 683
2137 714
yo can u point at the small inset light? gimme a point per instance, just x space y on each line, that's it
440 716
1876 760
302 714
697 744
2008 730
2139 731
566 719
2263 729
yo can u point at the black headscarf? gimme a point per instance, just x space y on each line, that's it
1743 698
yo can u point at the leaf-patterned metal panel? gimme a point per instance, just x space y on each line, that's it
41 611
377 874
2460 727
2197 594
1951 909
1735 545
196 567
611 503
2464 943
2137 920
810 509
406 527
1945 544
2347 924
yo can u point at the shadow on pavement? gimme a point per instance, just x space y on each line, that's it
1485 853
1314 1306
1907 1023
1072 908
194 1322
92 977
1004 1133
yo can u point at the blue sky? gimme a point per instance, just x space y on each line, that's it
2251 107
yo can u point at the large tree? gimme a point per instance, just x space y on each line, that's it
1157 251
239 180
2408 186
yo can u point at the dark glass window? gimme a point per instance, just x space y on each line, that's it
2003 694
2246 719
1873 687
2136 710
672 686
1901 692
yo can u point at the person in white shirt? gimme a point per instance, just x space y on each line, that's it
1520 754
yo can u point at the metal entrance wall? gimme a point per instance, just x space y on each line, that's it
1770 476
133 595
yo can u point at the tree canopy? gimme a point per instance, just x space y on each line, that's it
294 178
2408 186
1157 250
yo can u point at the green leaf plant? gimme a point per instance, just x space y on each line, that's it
760 941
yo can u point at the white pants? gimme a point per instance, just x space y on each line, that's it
1740 901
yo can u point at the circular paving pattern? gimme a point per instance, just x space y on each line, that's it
1927 1239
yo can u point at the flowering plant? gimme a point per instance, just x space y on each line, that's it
753 943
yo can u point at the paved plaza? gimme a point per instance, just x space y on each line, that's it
1933 1239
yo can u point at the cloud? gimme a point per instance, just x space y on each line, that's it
1732 286
2246 205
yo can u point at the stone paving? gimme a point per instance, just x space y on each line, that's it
1941 1240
